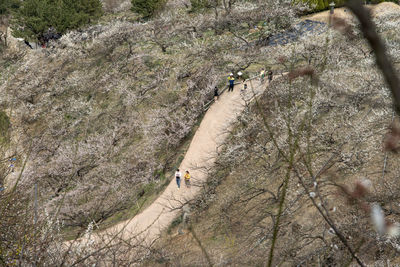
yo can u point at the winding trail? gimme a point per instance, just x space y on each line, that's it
214 129
199 158
147 226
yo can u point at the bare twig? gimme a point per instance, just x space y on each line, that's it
382 59
201 246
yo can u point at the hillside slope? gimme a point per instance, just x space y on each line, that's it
102 116
316 140
99 115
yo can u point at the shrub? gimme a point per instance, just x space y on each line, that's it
35 17
7 5
147 8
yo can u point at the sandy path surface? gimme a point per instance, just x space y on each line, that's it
200 156
345 13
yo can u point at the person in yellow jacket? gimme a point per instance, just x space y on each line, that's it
231 80
187 179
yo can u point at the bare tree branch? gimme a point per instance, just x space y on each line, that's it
382 59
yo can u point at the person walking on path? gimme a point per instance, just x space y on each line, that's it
187 179
216 95
270 75
231 80
178 176
262 75
244 88
239 74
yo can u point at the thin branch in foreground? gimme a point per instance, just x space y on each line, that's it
382 59
201 246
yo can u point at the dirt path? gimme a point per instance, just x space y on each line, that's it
200 156
345 13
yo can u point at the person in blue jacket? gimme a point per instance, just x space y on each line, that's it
231 80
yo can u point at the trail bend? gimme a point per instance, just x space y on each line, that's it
200 157
202 152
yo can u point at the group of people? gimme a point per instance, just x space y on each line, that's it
262 75
231 80
178 176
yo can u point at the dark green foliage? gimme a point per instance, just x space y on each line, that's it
7 5
34 17
147 8
3 7
31 19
